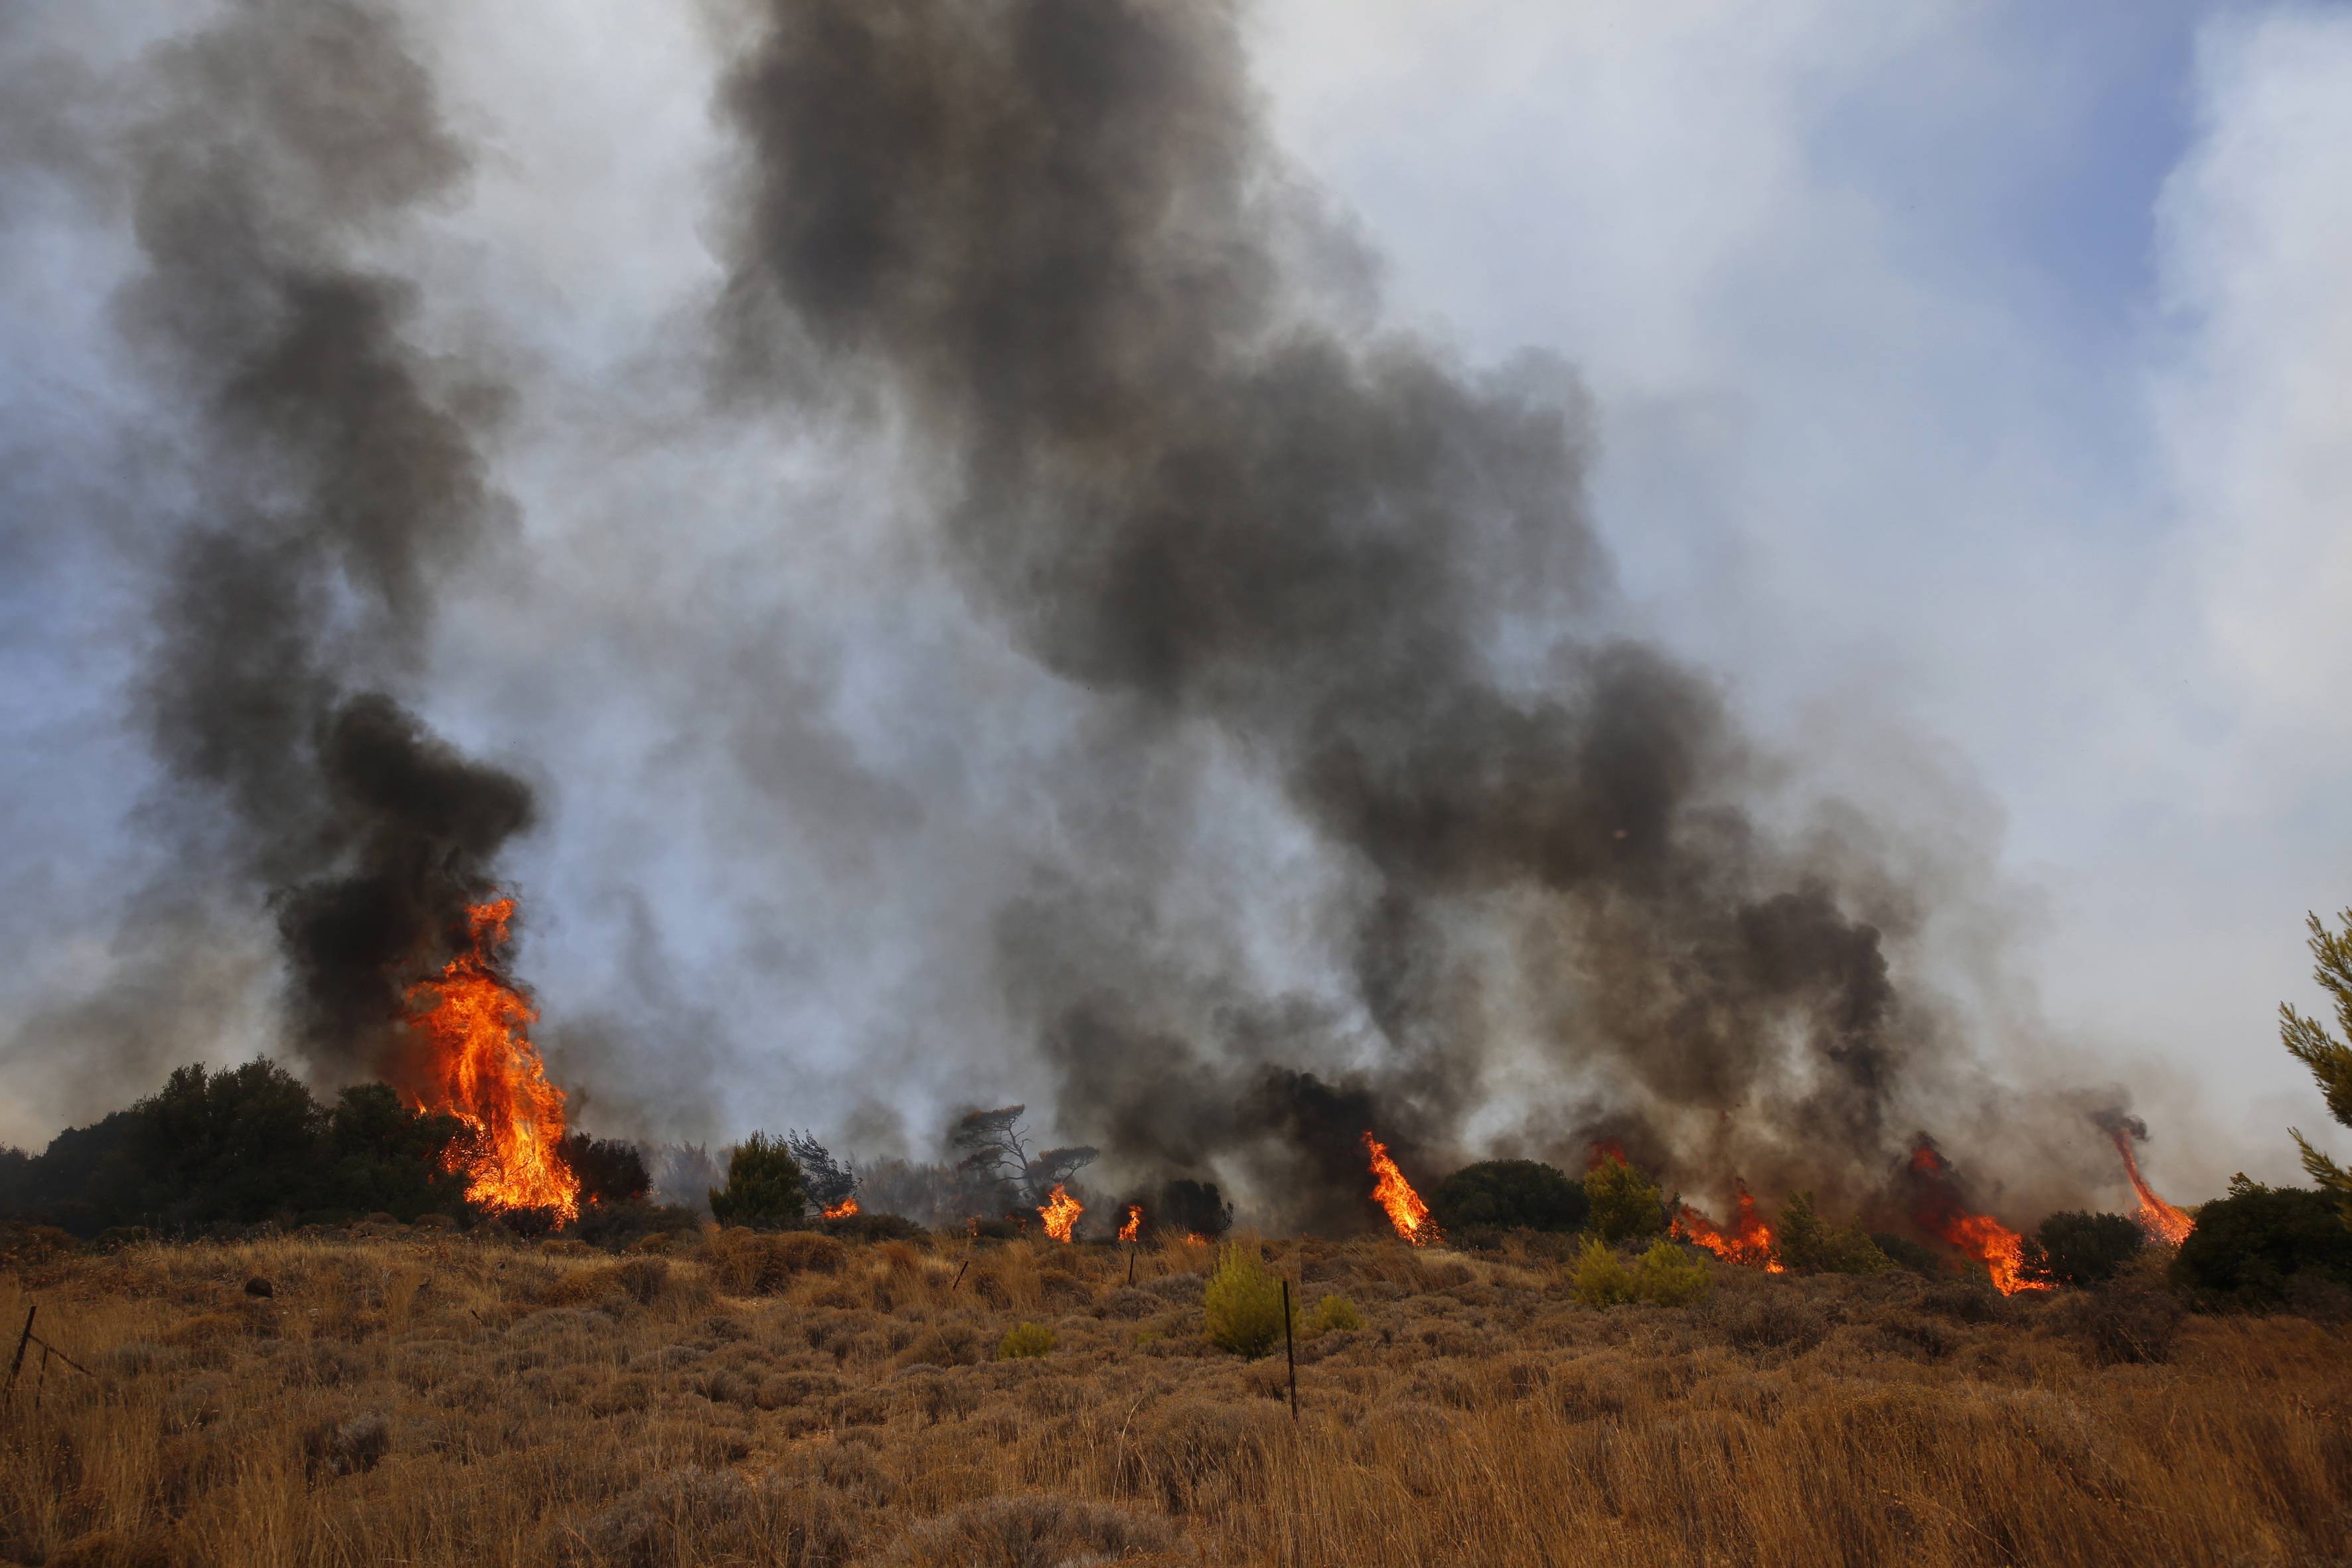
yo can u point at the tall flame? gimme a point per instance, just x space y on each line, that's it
1060 1211
1395 1194
1747 1242
1133 1228
842 1209
2160 1220
486 1072
2000 1249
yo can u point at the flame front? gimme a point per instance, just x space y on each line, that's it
842 1209
1395 1194
2160 1220
1060 1212
1134 1225
487 1073
2000 1249
1747 1242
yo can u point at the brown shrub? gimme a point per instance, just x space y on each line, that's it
1037 1530
692 1515
2126 1320
1771 1320
760 1263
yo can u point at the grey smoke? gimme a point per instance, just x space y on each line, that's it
1053 238
340 485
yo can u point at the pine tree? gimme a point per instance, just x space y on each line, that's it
2329 1059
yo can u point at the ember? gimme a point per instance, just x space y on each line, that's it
1395 1195
486 1072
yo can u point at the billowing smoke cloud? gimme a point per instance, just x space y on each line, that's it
338 484
1181 461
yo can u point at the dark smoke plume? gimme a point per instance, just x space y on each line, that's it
1052 239
338 485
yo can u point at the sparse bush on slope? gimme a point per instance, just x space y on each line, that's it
1244 1302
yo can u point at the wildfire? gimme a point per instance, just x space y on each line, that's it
486 1072
2000 1249
842 1209
1134 1225
1747 1242
2161 1221
1060 1211
1395 1194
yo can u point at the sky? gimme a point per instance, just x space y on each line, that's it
1966 385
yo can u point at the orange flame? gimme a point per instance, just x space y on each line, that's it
1060 1212
1134 1225
1194 1238
487 1073
2000 1249
1748 1241
2162 1222
842 1209
1395 1194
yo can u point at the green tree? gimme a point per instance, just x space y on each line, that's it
241 1144
1622 1203
2329 1059
2250 1248
1806 1241
1506 1194
2082 1249
387 1157
764 1186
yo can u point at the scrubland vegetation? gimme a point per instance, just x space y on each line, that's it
422 1395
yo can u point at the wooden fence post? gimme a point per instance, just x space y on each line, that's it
21 1340
1289 1351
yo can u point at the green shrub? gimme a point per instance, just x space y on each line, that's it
1623 1205
1600 1279
1808 1242
2073 1248
1912 1256
1244 1302
1508 1194
1668 1276
1025 1340
2249 1246
763 1185
1335 1314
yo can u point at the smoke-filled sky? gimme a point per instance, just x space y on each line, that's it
1779 576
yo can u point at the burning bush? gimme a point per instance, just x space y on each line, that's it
1508 1194
610 1170
1243 1303
2250 1248
2082 1249
1623 1204
1809 1242
764 1186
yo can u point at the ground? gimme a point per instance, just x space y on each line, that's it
427 1397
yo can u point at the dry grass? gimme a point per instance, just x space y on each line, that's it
426 1398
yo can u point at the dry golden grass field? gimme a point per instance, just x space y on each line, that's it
429 1399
